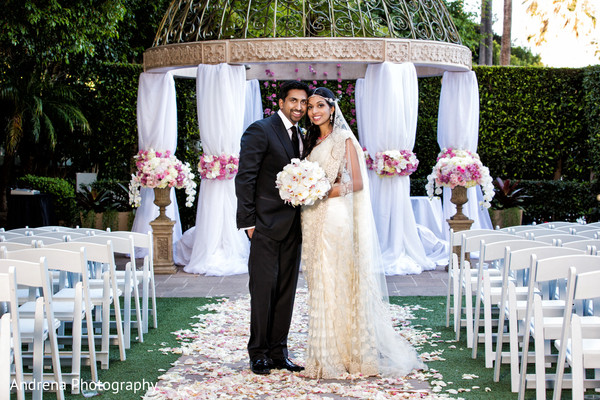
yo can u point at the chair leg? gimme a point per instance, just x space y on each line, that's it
500 335
56 369
105 341
458 311
138 311
448 292
487 326
540 352
38 350
127 313
577 361
154 309
145 287
469 308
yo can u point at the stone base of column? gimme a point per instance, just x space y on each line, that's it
459 225
163 246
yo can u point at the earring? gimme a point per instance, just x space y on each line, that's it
331 118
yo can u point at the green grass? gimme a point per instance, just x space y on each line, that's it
143 359
458 361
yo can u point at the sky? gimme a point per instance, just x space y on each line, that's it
561 50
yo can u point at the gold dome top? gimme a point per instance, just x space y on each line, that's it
195 21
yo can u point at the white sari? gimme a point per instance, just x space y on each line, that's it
350 329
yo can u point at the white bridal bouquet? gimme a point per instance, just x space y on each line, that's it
302 183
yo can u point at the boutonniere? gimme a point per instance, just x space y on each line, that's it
303 132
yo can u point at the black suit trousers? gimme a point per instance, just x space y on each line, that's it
273 266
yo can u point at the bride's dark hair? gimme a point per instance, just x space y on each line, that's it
313 132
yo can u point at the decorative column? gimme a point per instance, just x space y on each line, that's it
162 231
459 221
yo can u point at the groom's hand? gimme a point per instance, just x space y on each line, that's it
249 233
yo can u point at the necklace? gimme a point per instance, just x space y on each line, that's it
321 138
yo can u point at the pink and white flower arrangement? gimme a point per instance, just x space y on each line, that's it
456 167
395 162
218 167
368 159
160 169
302 183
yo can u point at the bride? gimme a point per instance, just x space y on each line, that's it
350 330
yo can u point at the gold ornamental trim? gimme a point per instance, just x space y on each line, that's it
429 57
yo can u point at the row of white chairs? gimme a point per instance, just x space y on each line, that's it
144 276
507 283
96 289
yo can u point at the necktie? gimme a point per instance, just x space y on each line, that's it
295 141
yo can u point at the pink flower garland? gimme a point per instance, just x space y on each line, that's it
392 162
218 167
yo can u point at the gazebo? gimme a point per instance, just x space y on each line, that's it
227 46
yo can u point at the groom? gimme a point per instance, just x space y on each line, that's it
272 226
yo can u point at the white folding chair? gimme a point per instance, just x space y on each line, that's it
558 239
30 240
4 236
537 232
10 338
496 253
144 276
470 279
42 240
41 328
10 246
558 224
579 342
23 231
454 271
103 292
70 305
55 228
125 281
542 326
520 228
6 355
589 245
452 295
590 234
51 234
512 305
576 230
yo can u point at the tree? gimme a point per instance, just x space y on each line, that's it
465 24
578 16
506 33
43 44
486 47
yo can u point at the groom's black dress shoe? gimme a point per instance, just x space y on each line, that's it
285 363
261 366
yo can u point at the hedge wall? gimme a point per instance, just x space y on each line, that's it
532 123
535 123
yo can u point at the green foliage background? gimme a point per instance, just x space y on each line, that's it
535 124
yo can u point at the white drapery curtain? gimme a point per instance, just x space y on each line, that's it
157 129
458 127
253 111
219 248
387 107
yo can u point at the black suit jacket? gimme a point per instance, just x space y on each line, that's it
265 149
